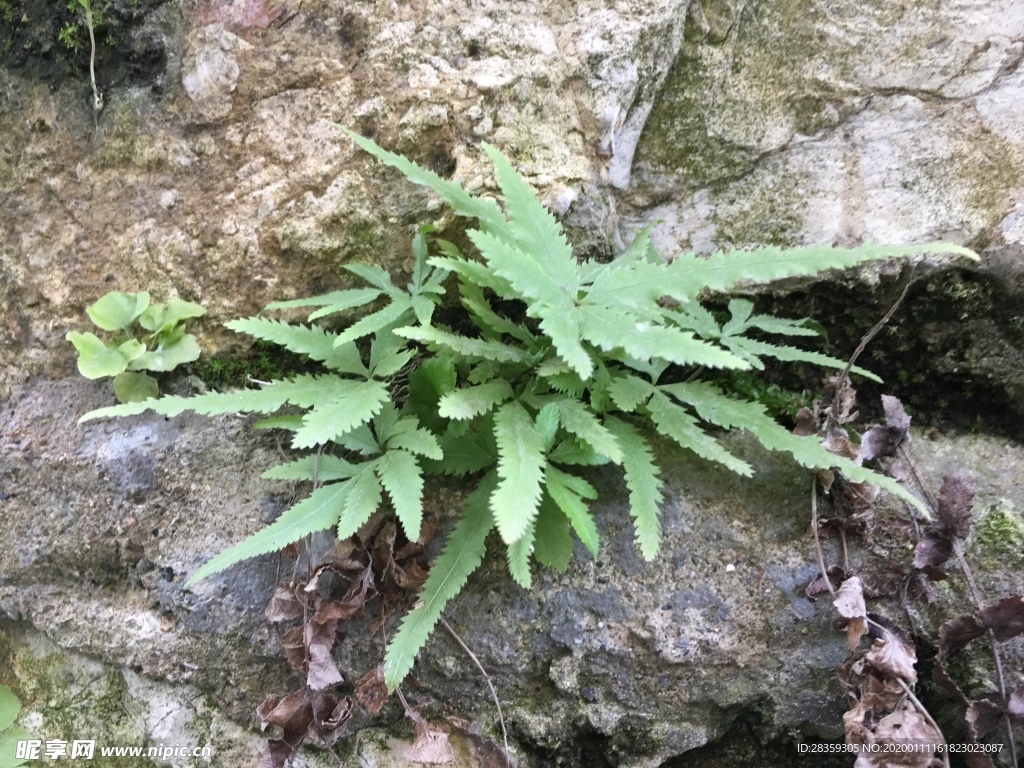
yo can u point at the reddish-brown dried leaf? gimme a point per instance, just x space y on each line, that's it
284 605
268 706
371 690
411 576
849 603
293 713
893 656
839 443
854 725
431 747
958 632
1005 618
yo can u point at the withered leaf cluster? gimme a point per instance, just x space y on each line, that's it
952 525
377 562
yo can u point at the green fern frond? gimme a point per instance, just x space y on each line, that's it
611 329
303 391
532 227
312 341
324 469
643 479
552 543
577 419
351 404
402 478
521 469
753 350
399 310
725 270
452 193
469 402
518 557
463 553
339 301
472 349
365 494
316 512
676 424
568 493
418 441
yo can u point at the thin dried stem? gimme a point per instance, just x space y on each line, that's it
494 693
926 715
817 541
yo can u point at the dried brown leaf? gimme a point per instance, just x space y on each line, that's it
895 416
284 605
806 423
294 647
907 726
321 671
1005 618
931 552
893 656
958 632
835 574
983 716
371 690
329 718
956 498
839 443
431 747
854 725
850 599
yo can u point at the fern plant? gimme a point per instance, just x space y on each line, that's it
556 366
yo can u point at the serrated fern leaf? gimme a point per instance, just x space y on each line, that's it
339 300
532 226
611 329
518 555
552 543
569 496
576 418
717 408
312 341
743 346
629 392
316 512
473 300
418 441
364 497
290 422
644 483
396 312
676 424
352 404
520 469
324 469
304 391
563 328
724 270
527 275
462 455
474 349
574 453
402 478
468 402
374 275
463 553
452 193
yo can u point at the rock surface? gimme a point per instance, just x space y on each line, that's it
211 175
638 662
